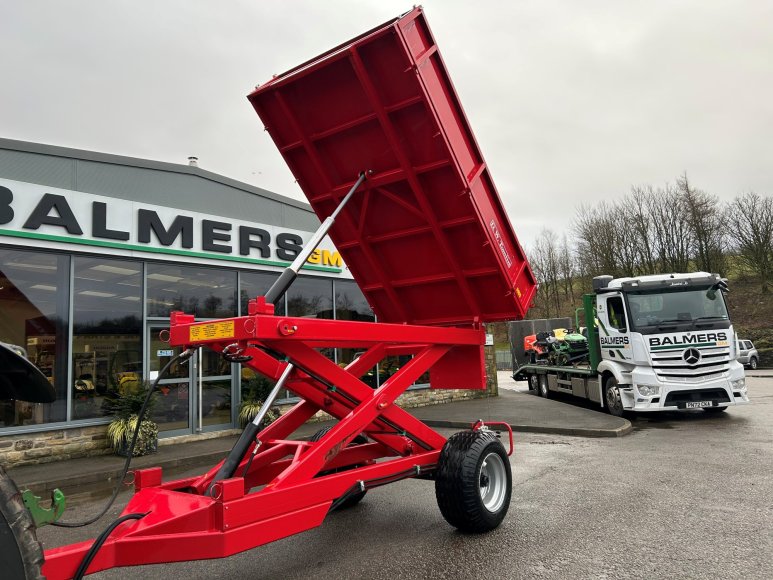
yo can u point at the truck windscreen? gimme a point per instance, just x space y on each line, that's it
660 310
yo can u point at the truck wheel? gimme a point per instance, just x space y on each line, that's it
543 390
753 364
20 553
354 498
474 483
534 384
612 398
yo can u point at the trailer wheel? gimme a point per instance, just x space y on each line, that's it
474 483
534 384
20 553
612 398
354 498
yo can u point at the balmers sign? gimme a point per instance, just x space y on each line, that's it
34 212
701 339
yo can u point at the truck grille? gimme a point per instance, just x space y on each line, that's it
691 364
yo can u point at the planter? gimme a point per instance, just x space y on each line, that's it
121 431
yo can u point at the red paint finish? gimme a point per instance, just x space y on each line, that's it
429 221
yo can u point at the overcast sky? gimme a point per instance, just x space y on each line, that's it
570 101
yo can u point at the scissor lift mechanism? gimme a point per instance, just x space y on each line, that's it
276 491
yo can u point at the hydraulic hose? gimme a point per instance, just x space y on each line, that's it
183 355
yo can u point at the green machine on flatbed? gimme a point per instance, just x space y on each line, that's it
655 343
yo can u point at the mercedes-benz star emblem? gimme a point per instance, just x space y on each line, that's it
691 356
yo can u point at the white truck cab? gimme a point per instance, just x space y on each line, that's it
667 343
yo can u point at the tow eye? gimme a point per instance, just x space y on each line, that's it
40 515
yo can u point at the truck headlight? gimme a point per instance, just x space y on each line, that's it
738 384
648 390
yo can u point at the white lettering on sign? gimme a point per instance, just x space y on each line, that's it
37 214
500 243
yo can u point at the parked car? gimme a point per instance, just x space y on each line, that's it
747 354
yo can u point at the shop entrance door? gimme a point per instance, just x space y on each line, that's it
172 408
193 396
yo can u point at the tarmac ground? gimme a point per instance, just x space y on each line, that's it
83 478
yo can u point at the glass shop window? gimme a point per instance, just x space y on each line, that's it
254 284
203 292
33 315
107 333
350 304
310 298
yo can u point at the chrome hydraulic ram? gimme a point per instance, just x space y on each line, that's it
280 286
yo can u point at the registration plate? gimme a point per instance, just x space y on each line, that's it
699 404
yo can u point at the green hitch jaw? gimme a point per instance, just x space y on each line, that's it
40 515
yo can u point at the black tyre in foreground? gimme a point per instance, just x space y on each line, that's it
354 498
20 553
473 483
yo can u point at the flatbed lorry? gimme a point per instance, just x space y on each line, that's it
655 343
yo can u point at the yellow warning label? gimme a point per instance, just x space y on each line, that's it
517 291
212 330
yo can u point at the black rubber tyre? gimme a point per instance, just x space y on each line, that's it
612 401
715 410
534 384
474 483
543 390
21 556
354 498
753 364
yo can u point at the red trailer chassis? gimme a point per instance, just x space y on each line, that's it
278 490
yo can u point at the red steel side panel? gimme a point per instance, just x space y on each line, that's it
427 239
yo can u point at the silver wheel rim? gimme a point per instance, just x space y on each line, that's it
543 387
613 399
492 482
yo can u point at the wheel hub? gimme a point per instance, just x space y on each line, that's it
493 482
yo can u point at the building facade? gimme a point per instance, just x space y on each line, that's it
96 250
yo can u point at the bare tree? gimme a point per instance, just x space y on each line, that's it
597 239
706 225
544 259
750 217
670 230
567 269
639 218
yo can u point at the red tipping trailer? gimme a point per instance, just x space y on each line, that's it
375 134
430 222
